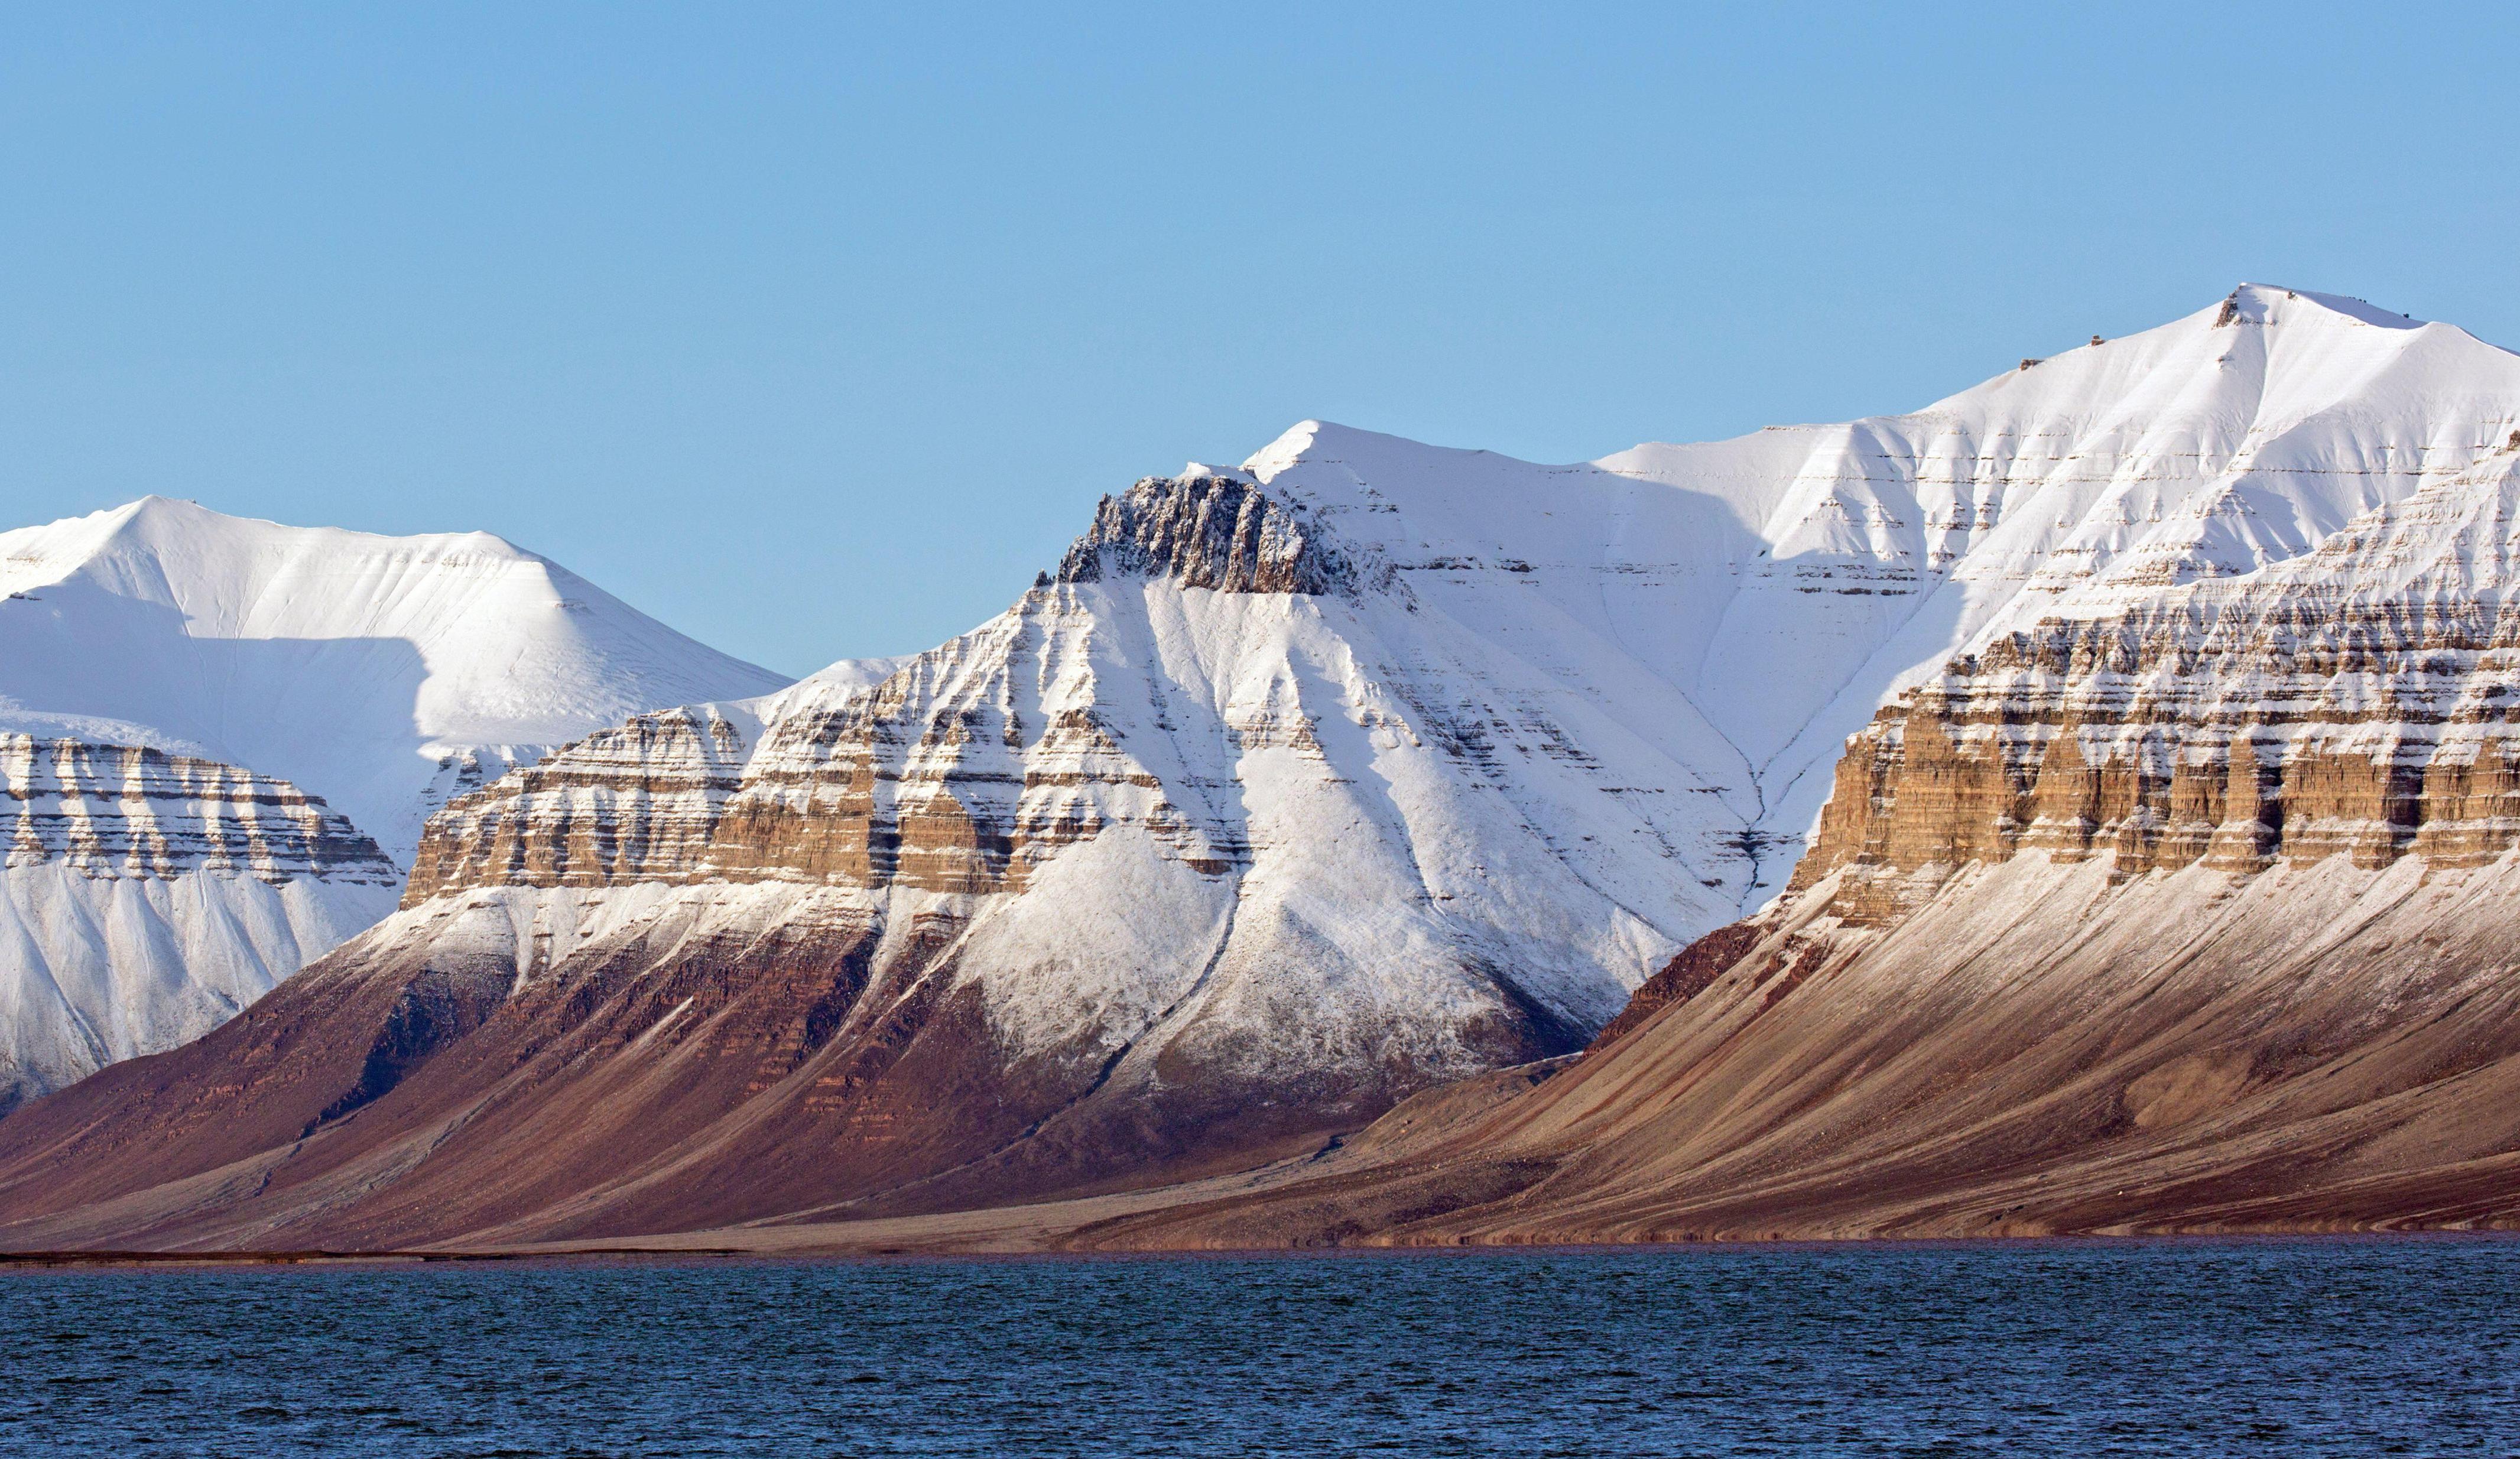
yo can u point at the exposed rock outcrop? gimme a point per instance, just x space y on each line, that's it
2361 701
1210 530
117 811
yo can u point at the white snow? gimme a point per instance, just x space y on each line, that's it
98 969
380 674
1744 605
358 667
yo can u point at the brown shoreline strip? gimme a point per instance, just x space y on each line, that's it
311 1258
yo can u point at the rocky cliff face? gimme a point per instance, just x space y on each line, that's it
109 810
1209 530
2357 701
959 775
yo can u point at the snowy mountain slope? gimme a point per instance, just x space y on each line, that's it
1860 557
221 737
376 671
1297 786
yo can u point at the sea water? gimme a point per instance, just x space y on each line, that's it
2169 1347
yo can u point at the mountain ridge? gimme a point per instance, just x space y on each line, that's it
1297 789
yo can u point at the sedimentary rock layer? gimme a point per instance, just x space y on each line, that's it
2358 701
108 811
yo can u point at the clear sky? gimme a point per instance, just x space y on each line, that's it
817 332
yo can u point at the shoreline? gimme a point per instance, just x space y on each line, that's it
665 1254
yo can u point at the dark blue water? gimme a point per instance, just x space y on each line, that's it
2294 1348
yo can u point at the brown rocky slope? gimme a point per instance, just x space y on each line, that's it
2035 1051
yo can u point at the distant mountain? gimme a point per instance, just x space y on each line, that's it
1297 787
221 738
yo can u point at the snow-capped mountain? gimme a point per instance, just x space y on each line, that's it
221 738
2191 916
2241 435
2171 905
1297 786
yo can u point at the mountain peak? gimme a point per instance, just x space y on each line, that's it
153 515
349 663
2273 303
1329 441
1292 445
174 541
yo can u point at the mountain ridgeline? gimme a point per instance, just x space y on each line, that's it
2146 706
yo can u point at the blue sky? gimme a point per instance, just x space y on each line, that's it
817 332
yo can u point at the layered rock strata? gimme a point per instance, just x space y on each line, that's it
146 896
117 811
2358 701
